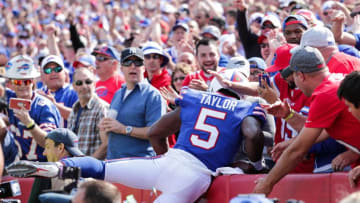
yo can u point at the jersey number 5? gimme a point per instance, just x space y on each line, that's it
201 125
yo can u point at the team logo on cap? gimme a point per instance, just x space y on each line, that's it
132 51
8 66
24 67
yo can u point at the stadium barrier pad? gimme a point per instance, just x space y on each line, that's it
325 188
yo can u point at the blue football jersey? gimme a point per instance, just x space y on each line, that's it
66 96
45 115
211 126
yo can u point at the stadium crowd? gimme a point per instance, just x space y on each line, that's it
124 75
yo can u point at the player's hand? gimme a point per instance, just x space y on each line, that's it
353 176
169 94
262 186
111 125
23 116
344 159
279 148
198 85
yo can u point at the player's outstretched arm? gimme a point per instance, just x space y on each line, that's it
167 125
89 166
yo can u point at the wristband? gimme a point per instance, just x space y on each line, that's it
31 125
291 114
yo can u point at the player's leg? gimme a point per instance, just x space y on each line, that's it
179 179
184 179
139 173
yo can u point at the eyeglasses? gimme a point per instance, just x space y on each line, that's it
128 63
153 56
353 14
56 70
80 82
268 25
179 78
264 45
20 82
102 58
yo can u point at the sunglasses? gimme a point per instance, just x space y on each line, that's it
56 70
80 82
353 14
179 78
269 25
102 58
20 82
264 45
128 63
149 56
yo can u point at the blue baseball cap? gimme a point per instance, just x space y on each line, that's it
298 19
68 138
107 51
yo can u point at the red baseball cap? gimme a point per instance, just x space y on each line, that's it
282 58
261 38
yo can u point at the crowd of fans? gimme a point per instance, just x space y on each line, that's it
73 73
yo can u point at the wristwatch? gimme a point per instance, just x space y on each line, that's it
128 130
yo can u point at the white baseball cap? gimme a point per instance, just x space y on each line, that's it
274 20
318 36
239 63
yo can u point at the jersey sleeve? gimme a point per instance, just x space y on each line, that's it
90 167
48 117
319 114
257 112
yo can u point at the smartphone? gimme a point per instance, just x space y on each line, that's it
17 103
265 77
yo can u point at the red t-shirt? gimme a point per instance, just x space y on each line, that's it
343 63
161 80
300 103
327 111
106 89
297 100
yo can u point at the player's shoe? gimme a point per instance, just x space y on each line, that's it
23 169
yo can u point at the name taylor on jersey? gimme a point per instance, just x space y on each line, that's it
218 102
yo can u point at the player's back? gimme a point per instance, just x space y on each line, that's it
211 126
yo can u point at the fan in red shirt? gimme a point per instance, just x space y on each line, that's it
208 56
107 61
327 112
155 62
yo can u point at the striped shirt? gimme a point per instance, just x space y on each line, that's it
89 119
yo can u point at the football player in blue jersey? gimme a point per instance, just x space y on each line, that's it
212 127
29 126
